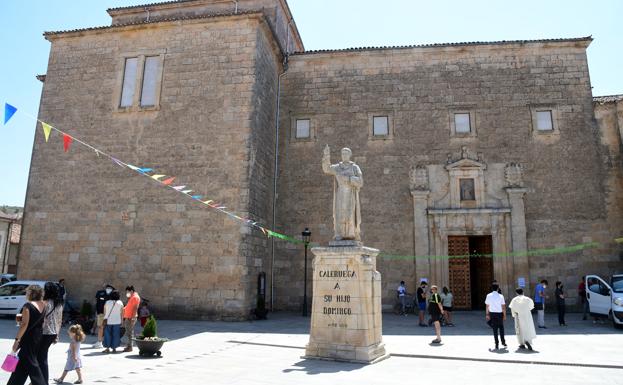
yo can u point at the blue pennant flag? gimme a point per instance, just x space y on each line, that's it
9 110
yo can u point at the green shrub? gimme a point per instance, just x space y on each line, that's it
151 328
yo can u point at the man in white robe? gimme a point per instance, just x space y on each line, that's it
521 307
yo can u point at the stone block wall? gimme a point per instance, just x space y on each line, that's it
418 88
92 222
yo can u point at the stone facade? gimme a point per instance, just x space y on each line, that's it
214 129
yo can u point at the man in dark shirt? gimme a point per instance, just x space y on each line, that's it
421 301
101 297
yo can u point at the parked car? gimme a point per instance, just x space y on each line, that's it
13 295
4 278
606 300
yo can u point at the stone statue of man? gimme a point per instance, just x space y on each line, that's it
346 207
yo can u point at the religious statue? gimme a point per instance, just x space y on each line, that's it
346 207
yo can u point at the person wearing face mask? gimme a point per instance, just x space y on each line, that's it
539 303
130 313
101 297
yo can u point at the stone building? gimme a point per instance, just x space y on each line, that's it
466 148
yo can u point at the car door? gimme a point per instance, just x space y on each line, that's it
598 293
6 303
19 297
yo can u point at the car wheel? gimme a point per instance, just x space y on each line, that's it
616 325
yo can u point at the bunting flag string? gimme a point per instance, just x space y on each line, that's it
167 181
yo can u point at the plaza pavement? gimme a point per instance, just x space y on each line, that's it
269 352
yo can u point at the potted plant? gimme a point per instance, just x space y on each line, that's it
148 342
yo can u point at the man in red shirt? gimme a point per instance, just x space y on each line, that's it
130 313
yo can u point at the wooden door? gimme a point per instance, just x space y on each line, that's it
481 268
459 271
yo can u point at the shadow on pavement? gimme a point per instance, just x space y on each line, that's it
321 367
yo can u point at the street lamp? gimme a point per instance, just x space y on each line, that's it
306 237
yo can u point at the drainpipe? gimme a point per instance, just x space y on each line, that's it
275 173
236 9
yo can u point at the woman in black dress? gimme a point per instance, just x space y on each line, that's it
435 309
28 339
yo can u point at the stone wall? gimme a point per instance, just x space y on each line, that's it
91 221
418 88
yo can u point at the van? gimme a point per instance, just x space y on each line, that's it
606 299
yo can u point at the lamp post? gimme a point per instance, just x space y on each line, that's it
306 237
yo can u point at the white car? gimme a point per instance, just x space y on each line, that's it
13 295
606 299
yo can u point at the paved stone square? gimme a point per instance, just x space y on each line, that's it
269 352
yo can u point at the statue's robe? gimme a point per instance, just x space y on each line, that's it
346 206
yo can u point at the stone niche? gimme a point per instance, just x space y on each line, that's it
346 323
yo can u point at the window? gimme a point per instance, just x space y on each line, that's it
5 291
467 189
302 129
129 82
150 80
140 84
544 120
380 126
19 290
462 123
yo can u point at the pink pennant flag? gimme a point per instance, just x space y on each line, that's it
179 188
168 181
66 142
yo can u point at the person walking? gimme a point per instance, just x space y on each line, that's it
560 303
113 315
495 314
74 359
582 297
539 303
51 324
401 291
420 295
130 314
521 310
101 296
435 309
28 339
446 301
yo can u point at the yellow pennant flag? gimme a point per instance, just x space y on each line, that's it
46 130
157 177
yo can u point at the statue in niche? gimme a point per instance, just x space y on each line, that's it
513 173
346 185
467 189
419 178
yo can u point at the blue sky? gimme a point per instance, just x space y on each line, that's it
322 24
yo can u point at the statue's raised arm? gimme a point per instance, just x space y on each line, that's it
326 161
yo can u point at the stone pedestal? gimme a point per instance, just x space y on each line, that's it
346 322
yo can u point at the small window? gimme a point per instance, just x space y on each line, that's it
129 82
462 123
150 81
544 120
467 189
380 126
302 129
5 291
19 290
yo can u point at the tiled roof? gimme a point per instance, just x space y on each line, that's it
439 45
152 21
149 5
607 99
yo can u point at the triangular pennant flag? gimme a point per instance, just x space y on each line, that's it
197 197
187 191
133 167
263 230
208 202
179 188
46 130
117 161
168 181
97 153
66 142
9 110
145 170
157 177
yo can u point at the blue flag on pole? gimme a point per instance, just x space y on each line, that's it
9 110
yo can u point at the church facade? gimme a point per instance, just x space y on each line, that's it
494 153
